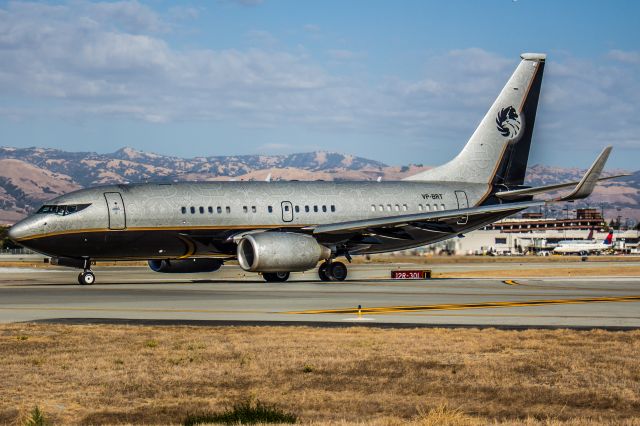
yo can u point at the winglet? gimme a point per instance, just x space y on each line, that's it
584 188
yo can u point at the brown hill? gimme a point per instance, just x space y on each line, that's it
29 176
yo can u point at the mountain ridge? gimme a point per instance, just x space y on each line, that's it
29 176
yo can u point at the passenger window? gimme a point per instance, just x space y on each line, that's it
201 210
373 207
184 210
297 209
286 208
315 209
253 209
442 207
435 207
397 208
219 209
270 209
388 207
245 209
193 210
306 209
228 209
427 208
333 208
420 207
405 207
324 209
210 209
381 208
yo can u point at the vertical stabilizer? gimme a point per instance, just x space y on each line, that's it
609 240
498 151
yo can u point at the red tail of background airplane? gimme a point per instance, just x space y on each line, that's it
609 238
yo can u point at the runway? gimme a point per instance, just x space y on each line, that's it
231 296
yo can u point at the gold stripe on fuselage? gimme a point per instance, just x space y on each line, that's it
191 247
170 228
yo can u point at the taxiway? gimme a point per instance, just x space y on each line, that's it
232 296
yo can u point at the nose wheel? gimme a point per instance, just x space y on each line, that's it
86 278
332 271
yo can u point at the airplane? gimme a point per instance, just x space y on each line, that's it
275 228
584 247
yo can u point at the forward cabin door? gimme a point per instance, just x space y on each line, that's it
115 207
463 203
287 211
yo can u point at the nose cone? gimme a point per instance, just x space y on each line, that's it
16 232
23 229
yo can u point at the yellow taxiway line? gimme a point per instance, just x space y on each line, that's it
481 305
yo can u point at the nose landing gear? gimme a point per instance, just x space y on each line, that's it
87 277
332 271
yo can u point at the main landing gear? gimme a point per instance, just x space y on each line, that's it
87 277
275 277
332 271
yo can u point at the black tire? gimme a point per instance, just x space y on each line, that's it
322 272
337 271
86 278
276 277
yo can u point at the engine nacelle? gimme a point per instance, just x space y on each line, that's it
280 252
185 266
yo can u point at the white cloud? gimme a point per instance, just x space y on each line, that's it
312 28
261 37
129 15
248 2
343 54
625 56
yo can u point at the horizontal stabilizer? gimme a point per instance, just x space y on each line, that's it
582 189
519 193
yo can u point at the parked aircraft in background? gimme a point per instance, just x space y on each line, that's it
584 247
275 228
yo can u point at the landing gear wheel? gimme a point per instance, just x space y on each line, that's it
337 271
86 278
322 272
275 277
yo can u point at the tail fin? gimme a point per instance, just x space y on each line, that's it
609 240
498 150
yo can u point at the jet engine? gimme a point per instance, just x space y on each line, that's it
280 252
185 266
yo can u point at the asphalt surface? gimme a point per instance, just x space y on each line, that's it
231 297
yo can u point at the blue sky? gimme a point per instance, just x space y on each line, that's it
399 82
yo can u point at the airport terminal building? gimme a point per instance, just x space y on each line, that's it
532 233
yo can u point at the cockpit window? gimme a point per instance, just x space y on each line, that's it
62 210
47 209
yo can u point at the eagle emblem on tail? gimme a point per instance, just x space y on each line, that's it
508 122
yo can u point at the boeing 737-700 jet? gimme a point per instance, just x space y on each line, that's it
275 228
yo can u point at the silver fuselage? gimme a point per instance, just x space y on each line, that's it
145 221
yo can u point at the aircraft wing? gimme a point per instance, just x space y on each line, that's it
403 220
581 189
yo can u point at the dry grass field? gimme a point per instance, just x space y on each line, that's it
159 375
